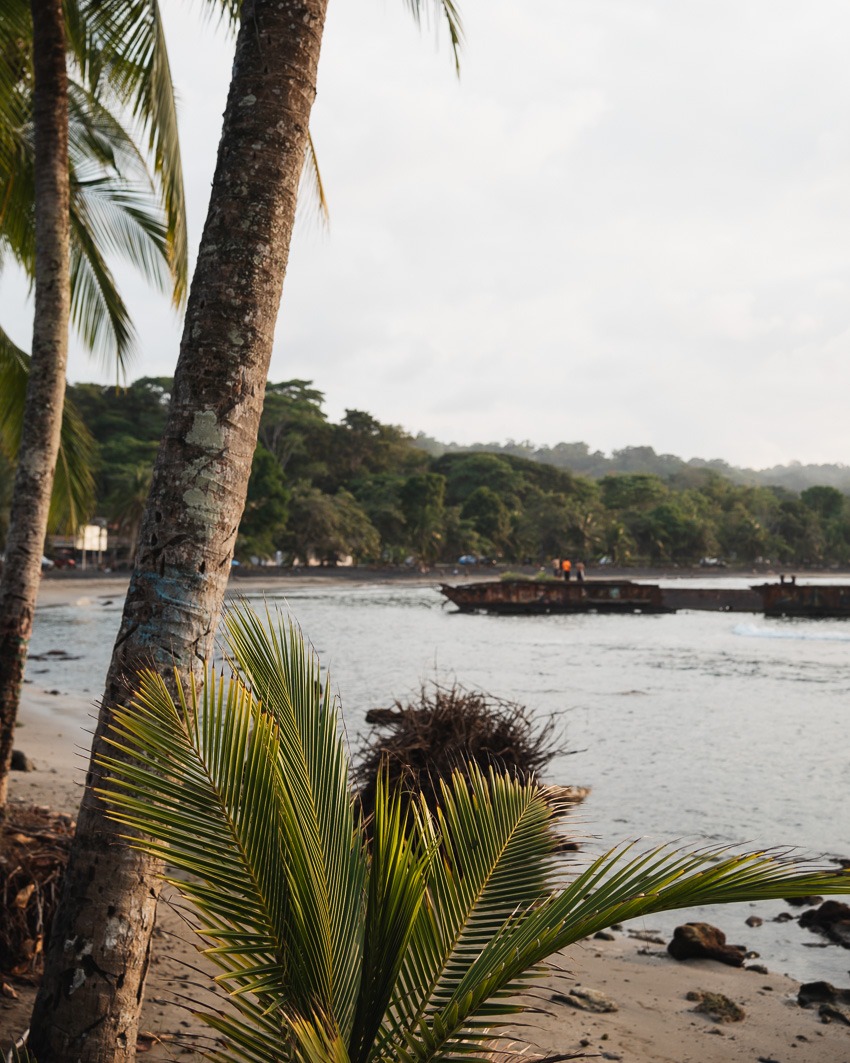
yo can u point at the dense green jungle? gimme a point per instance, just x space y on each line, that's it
369 491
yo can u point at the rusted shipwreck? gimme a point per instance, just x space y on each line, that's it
513 596
518 596
805 599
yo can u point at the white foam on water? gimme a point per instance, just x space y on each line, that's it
753 631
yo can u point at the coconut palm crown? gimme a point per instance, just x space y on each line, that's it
407 948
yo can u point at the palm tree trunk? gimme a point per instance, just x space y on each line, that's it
46 386
87 1008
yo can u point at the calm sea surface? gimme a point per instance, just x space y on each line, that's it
696 727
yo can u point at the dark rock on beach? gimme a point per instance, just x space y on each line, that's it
702 941
821 993
833 1004
832 919
21 762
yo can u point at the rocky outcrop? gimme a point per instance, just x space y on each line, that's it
831 918
833 1004
702 941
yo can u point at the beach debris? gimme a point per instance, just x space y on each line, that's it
758 968
702 941
422 741
585 1000
832 918
716 1006
21 762
803 902
34 846
649 936
754 920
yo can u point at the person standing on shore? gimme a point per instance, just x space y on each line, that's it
566 567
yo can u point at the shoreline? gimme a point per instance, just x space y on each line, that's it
652 1021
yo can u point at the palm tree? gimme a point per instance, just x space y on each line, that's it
46 387
65 167
406 944
200 479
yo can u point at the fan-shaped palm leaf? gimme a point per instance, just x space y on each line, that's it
405 951
72 501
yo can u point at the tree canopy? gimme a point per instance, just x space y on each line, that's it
362 489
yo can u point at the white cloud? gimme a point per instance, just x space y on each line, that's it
627 223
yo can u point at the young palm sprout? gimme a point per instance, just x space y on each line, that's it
408 948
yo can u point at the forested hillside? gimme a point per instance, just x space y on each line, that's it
360 488
578 457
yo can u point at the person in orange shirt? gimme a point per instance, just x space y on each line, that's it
566 568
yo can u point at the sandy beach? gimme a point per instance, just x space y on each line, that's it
651 1020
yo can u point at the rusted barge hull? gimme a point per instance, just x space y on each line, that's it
713 599
818 601
517 596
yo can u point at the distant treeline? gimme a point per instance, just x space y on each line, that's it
579 458
368 490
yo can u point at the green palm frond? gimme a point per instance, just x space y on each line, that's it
113 210
121 47
72 501
319 830
406 947
450 13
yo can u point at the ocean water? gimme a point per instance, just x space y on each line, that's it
697 728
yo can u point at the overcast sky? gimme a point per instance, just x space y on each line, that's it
627 223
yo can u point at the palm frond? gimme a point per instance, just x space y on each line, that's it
496 845
72 501
407 950
312 190
450 13
397 883
616 888
98 311
126 50
113 210
216 816
319 830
